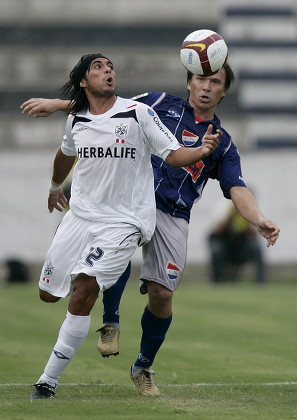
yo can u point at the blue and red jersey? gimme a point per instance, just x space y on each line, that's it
177 189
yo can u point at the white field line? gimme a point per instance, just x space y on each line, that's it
174 385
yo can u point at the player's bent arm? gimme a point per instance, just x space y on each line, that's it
247 206
41 107
62 166
187 157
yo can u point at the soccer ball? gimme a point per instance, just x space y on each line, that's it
203 52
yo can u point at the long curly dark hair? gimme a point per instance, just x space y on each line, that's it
72 90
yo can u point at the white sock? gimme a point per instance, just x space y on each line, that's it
72 333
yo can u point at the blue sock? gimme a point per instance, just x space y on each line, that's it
112 298
153 334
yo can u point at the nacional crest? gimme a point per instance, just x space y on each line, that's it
173 271
189 138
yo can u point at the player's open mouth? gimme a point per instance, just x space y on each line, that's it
205 98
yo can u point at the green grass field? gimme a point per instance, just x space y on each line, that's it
230 354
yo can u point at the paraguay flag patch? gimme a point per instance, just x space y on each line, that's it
189 138
173 271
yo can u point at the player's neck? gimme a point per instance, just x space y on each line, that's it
203 116
202 113
101 105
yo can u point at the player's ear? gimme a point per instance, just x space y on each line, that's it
189 84
224 94
83 83
222 97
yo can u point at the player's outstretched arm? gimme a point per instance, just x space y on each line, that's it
41 107
247 206
186 157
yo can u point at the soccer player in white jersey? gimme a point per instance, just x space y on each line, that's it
112 206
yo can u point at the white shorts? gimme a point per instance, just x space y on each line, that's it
164 257
102 250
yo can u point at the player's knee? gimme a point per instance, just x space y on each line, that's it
159 293
47 297
160 300
85 293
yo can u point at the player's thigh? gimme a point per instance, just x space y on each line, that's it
107 254
63 254
164 257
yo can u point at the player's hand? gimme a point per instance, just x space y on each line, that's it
269 230
210 141
57 200
39 107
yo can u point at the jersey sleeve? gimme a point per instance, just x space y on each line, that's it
67 146
159 139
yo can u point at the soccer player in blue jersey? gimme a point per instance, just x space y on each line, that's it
176 190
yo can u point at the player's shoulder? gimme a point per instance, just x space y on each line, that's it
227 145
76 115
129 102
153 99
140 111
70 119
217 124
127 106
148 98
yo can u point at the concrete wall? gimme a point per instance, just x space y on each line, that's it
27 228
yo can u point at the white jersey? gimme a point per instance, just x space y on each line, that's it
113 177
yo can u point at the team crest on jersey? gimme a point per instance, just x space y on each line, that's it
47 272
189 138
173 271
121 130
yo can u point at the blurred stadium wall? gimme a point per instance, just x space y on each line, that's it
41 40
